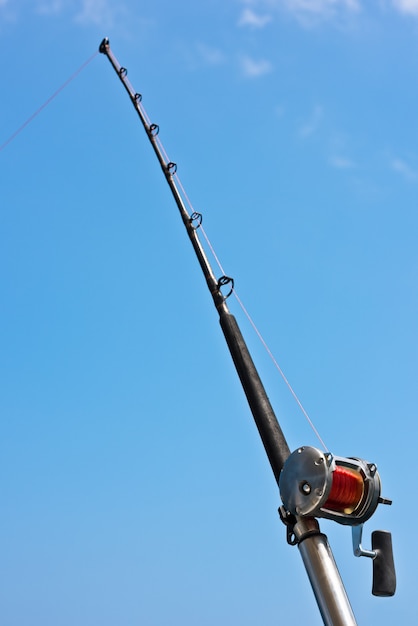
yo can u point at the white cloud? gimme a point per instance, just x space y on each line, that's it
312 11
51 7
403 168
252 19
101 13
253 69
320 6
341 162
312 123
211 56
280 110
9 11
409 7
339 146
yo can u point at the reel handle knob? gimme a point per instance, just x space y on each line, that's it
384 575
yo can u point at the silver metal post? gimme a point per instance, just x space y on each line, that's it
323 573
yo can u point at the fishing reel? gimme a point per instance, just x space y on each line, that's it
318 484
346 490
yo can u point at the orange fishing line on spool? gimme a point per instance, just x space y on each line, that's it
346 491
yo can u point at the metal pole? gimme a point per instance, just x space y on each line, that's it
322 571
329 591
313 545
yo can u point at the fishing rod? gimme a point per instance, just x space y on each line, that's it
312 483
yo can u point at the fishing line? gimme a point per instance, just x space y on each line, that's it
248 316
215 256
264 343
48 101
282 374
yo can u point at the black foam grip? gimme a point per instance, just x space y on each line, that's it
384 576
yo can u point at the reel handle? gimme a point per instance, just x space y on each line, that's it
384 575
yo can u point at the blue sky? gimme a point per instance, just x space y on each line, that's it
134 487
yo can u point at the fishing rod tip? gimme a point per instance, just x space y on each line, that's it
104 45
